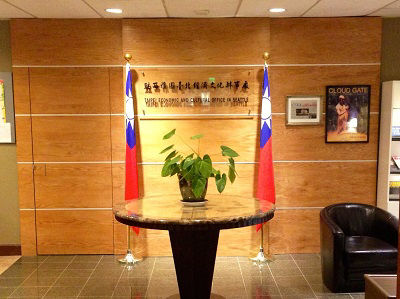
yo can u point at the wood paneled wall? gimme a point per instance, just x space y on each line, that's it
68 90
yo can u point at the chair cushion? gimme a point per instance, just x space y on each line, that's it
365 255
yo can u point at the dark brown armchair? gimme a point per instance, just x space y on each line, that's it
356 239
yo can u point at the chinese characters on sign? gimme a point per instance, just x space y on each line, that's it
163 86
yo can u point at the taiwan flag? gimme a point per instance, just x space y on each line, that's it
131 171
266 187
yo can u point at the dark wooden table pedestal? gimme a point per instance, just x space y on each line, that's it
194 257
194 231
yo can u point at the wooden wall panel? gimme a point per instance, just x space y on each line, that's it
321 184
28 232
307 80
23 136
325 40
308 143
196 41
117 89
294 231
66 42
289 142
243 137
26 192
21 90
297 184
74 232
73 185
71 138
69 90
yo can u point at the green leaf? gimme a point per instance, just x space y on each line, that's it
175 169
199 186
207 159
231 174
227 151
166 170
190 156
197 136
188 162
205 169
167 149
169 134
170 156
176 159
220 182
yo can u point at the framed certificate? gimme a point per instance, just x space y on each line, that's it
303 110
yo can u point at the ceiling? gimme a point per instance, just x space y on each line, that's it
195 8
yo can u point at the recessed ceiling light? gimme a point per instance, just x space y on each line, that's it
114 10
277 9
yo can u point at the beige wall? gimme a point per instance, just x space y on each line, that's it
390 68
9 215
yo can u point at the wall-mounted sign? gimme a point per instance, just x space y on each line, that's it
185 90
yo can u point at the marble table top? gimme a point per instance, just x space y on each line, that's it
220 212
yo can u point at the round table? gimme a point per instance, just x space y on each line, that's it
194 231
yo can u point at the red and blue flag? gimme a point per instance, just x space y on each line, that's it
266 186
131 170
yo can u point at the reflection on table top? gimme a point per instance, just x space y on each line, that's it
219 212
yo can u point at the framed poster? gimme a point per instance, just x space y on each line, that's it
303 110
347 113
7 124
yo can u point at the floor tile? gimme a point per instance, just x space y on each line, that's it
6 291
31 292
249 269
39 281
65 291
87 258
11 282
316 263
76 273
47 272
334 296
162 287
78 266
59 259
53 265
282 257
314 278
357 296
132 292
97 290
32 259
282 264
228 288
71 281
310 270
285 272
320 289
305 256
134 282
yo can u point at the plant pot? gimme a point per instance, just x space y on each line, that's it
187 192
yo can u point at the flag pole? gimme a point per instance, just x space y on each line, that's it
129 258
261 258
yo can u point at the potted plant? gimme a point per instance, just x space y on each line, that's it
194 170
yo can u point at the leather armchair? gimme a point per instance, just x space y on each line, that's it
356 239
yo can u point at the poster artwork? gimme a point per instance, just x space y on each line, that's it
347 113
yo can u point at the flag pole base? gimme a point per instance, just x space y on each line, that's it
129 259
261 258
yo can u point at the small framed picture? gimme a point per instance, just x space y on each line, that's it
347 113
303 110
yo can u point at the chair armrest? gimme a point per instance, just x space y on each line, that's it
332 252
386 227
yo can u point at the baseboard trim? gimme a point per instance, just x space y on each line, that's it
10 249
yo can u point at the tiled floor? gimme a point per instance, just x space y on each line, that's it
97 276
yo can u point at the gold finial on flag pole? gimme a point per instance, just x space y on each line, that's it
128 57
266 56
